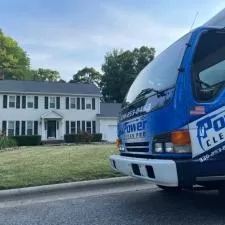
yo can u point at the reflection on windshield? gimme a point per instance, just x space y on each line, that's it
161 73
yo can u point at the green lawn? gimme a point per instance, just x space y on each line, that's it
48 165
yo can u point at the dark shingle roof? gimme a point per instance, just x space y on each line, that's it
109 110
16 86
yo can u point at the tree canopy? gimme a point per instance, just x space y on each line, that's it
13 59
87 75
120 69
45 75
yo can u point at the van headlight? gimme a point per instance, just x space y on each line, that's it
176 142
158 147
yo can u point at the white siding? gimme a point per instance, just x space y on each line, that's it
35 114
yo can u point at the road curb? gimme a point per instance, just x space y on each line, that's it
68 187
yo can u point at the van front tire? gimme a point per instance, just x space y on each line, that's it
169 189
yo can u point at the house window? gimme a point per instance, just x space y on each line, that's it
30 101
11 128
72 103
12 101
88 106
52 102
29 127
88 127
73 127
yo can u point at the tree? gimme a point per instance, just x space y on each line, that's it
120 69
87 75
13 59
45 75
62 81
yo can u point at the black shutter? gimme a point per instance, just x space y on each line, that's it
83 126
57 102
83 103
93 103
78 126
67 127
17 128
93 127
78 103
5 100
46 102
23 128
24 102
17 102
35 127
67 102
4 127
36 102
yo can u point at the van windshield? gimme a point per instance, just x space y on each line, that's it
161 73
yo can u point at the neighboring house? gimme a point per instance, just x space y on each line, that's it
49 109
107 120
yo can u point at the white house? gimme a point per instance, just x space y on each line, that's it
53 109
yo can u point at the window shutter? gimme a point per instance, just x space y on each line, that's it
83 103
67 102
78 126
94 127
35 127
23 128
24 102
4 127
67 127
5 101
83 126
17 102
57 102
78 103
46 102
17 128
93 103
36 102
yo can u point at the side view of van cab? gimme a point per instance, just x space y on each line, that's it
172 123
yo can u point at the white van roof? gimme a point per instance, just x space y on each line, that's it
217 21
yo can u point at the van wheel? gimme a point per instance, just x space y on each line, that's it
169 189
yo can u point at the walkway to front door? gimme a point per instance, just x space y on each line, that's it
51 129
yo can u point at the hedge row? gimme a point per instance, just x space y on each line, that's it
82 138
27 140
6 142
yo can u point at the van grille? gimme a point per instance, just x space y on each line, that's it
137 147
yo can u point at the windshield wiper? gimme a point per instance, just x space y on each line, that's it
149 90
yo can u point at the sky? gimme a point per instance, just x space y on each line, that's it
67 35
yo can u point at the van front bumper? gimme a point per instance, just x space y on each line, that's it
162 172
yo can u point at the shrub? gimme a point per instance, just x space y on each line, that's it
82 137
6 142
96 137
28 140
69 138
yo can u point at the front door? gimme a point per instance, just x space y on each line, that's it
51 130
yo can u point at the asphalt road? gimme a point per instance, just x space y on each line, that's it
147 206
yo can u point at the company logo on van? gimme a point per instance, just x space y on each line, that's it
134 129
211 130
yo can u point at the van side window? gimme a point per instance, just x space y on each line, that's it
209 65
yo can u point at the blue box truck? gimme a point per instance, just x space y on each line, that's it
171 128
